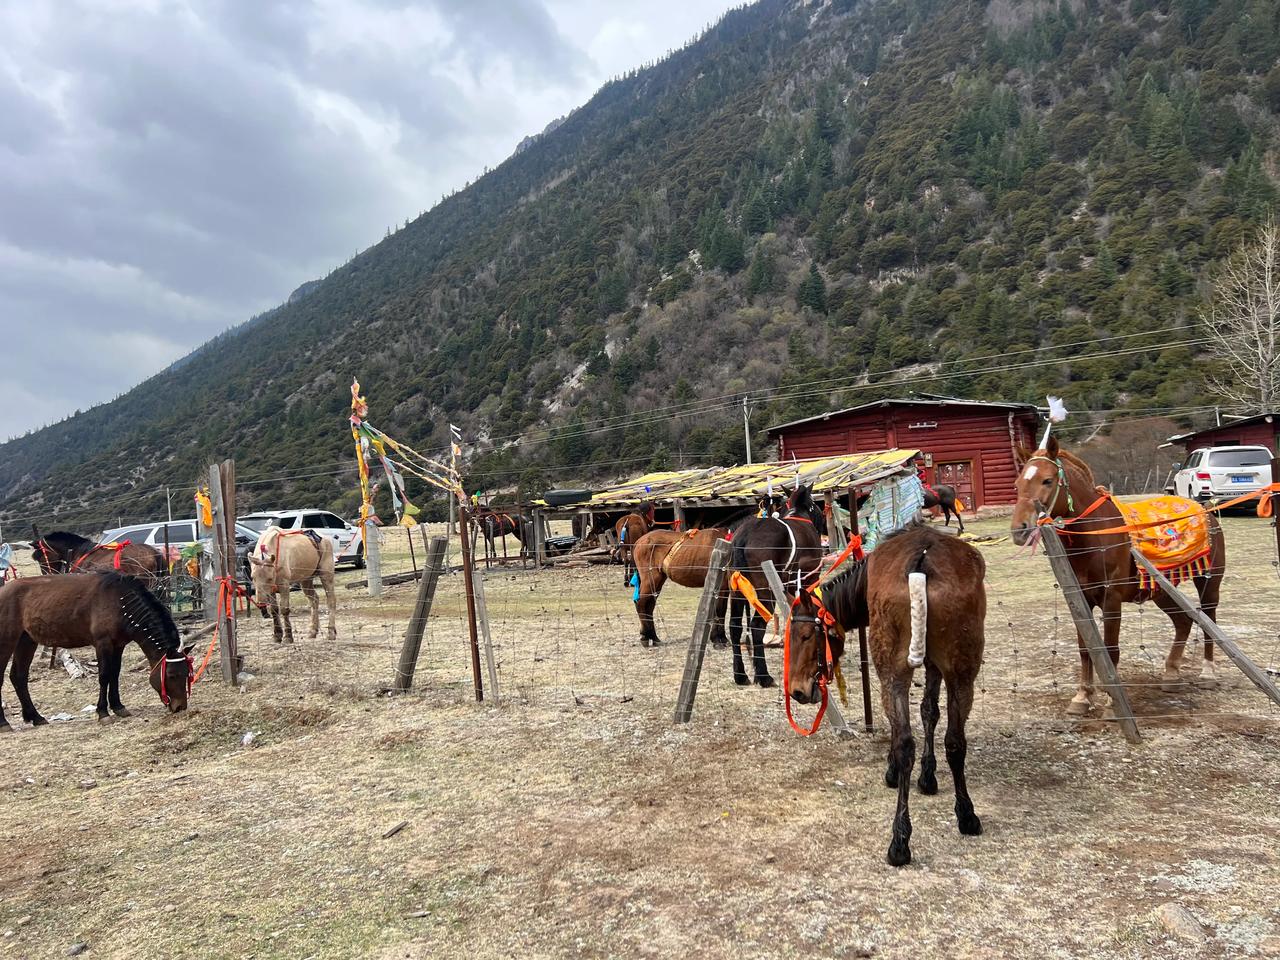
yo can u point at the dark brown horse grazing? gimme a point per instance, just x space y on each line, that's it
921 594
629 530
662 555
62 552
104 611
495 524
793 541
943 497
1061 484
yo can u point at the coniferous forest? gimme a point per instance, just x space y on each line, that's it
812 205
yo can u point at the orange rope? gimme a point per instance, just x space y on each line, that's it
828 622
226 607
1264 510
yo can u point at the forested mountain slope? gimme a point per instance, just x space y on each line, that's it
811 200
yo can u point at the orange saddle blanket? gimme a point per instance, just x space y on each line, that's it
1173 533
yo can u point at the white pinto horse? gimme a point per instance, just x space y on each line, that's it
283 558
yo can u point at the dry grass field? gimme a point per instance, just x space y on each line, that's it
574 819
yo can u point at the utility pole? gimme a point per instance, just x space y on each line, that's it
168 503
746 426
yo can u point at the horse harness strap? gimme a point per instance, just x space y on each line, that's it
117 547
1060 483
676 549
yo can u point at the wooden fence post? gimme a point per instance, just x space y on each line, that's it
711 588
373 558
468 567
864 657
1211 629
838 722
1275 503
482 618
222 491
433 563
1082 614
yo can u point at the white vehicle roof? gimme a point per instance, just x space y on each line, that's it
285 513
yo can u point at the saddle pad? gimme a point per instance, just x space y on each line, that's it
1178 548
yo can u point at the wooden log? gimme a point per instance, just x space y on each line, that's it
1211 629
1082 615
838 722
702 630
482 619
433 564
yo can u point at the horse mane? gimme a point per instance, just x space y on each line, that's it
144 612
64 541
1079 464
845 595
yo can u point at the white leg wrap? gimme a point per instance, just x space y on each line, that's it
916 583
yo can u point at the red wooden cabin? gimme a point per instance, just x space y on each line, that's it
968 444
1260 431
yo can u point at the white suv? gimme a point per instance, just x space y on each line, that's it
1223 472
347 545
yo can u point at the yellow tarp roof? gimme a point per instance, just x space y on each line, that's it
751 481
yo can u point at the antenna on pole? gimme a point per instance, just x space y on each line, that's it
746 426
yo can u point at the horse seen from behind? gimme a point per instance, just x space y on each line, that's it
921 594
628 530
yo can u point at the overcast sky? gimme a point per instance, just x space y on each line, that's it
168 169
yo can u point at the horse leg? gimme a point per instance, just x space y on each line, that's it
4 663
718 639
904 758
1111 610
645 606
331 604
959 517
1208 588
959 703
105 657
1082 702
758 664
113 689
1170 682
929 714
309 591
19 673
284 611
737 607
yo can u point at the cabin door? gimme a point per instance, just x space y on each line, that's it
958 474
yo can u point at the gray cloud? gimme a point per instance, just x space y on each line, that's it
167 170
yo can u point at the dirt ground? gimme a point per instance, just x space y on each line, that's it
574 819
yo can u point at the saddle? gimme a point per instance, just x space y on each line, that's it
1177 547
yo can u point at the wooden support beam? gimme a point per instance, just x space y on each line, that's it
1082 615
836 539
1211 629
838 722
433 564
702 630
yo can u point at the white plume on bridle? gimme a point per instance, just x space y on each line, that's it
1057 413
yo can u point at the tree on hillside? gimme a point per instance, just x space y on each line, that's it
813 291
1243 323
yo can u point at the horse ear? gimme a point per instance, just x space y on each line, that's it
1021 454
36 531
1052 447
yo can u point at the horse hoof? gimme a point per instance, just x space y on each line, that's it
1208 683
5 728
969 824
39 721
1079 708
899 855
766 681
106 718
928 787
891 778
121 712
741 679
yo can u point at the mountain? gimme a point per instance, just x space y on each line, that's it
813 203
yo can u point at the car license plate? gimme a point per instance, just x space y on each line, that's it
1239 478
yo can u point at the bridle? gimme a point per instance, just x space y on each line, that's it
48 561
825 624
166 660
1060 485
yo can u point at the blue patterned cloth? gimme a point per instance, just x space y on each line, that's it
892 505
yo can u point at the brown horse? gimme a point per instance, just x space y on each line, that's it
282 559
629 530
1060 484
494 524
63 552
921 594
662 555
943 497
104 611
793 541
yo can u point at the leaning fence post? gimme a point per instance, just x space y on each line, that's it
482 618
1082 614
711 588
432 565
838 722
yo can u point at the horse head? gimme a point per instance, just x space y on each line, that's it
1042 487
814 646
802 504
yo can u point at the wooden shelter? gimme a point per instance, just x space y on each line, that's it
1262 430
968 444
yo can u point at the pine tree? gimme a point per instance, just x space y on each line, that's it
763 275
755 217
813 291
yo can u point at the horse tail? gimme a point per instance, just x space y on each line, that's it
917 584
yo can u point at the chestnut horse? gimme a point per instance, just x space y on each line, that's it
105 611
62 552
628 530
662 555
1060 484
494 524
921 594
281 559
793 541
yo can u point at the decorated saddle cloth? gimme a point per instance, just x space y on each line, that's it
1177 540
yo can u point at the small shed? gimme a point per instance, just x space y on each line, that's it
968 444
1262 430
